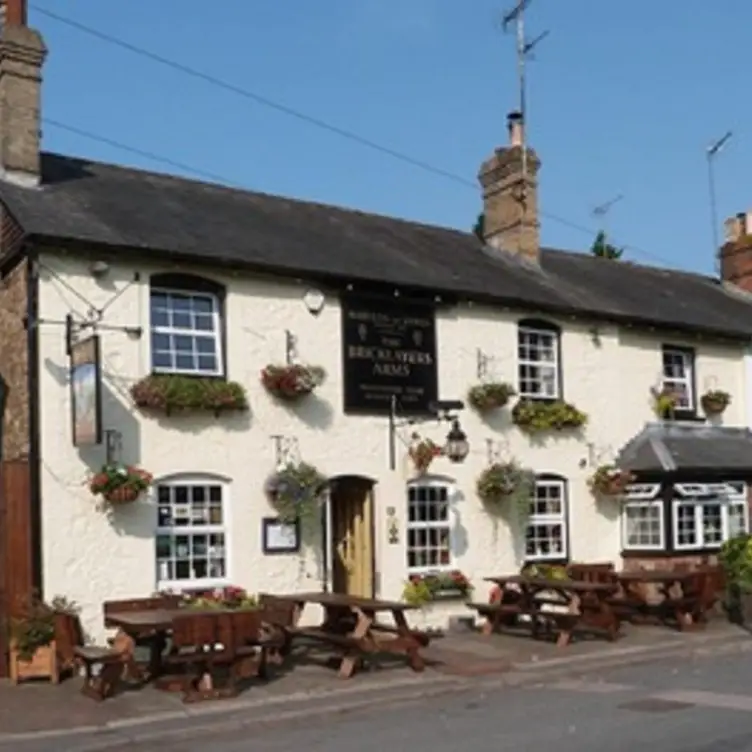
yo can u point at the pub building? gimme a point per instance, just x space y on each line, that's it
307 397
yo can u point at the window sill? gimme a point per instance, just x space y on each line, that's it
656 553
190 374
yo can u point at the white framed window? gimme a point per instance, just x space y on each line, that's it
678 376
429 528
643 519
185 333
191 536
707 515
538 363
546 524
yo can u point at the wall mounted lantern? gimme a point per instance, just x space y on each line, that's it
456 448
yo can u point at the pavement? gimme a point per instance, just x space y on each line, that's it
41 718
671 705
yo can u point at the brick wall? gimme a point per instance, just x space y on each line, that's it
14 363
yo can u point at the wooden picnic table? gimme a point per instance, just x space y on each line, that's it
686 595
350 627
577 606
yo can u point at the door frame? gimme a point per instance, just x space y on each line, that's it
369 485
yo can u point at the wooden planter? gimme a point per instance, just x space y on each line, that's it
43 665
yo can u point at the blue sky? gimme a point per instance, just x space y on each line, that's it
624 99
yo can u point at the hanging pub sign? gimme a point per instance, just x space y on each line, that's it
388 352
86 392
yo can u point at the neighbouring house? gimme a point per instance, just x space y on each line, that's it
138 295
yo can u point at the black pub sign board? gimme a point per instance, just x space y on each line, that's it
388 351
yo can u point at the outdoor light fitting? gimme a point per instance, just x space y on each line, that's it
457 446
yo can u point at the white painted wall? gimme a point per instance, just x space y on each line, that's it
91 556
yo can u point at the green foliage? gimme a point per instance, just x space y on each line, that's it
535 416
603 249
508 484
735 557
479 228
664 402
170 393
35 626
115 476
490 396
295 491
227 598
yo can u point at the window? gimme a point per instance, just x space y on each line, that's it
546 528
428 526
693 517
678 376
538 360
706 515
186 326
642 518
191 533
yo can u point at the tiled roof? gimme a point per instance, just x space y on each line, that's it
675 447
133 211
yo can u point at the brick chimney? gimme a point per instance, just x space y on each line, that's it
510 197
736 251
22 54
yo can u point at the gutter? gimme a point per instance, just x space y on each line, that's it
32 375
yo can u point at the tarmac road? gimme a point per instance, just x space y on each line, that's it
677 705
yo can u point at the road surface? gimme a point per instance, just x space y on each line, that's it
679 705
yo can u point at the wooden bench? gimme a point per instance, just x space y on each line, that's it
323 635
493 613
423 638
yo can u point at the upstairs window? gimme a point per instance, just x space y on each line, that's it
679 376
538 360
186 326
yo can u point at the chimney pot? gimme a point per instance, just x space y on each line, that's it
15 12
516 128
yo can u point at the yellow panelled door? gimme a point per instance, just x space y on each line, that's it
352 537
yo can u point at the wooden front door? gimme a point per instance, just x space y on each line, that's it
352 537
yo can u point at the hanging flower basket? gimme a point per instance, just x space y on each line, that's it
423 452
291 382
534 416
610 481
491 396
715 401
120 484
296 491
168 393
664 402
505 484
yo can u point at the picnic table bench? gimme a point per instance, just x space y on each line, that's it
573 606
351 628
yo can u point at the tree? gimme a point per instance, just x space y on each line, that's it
479 229
604 249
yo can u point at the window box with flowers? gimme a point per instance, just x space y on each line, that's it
120 484
504 486
230 598
169 393
290 383
296 491
491 396
422 589
610 481
715 401
423 452
536 416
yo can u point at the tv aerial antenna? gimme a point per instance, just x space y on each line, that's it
601 211
712 152
525 47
